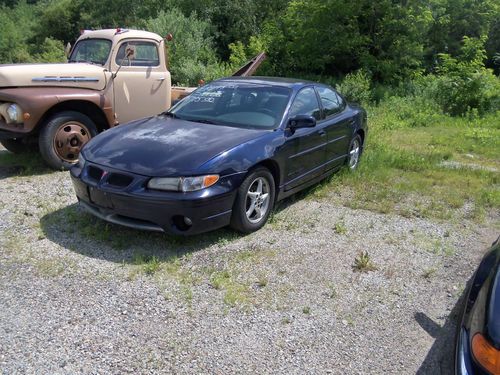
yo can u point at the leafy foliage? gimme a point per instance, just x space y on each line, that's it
437 52
356 87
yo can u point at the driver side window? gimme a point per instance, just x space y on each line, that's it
146 54
306 103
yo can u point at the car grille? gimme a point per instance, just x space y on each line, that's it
112 178
94 173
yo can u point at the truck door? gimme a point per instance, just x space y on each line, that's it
142 84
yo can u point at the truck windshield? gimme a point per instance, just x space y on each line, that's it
91 50
238 104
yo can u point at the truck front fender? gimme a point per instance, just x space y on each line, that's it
37 103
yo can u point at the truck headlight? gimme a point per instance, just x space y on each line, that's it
15 114
183 184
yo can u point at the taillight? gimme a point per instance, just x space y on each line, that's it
486 354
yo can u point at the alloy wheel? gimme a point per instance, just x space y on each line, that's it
257 200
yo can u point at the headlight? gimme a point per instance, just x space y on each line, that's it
14 112
183 184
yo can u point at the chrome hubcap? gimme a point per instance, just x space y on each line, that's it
354 154
257 200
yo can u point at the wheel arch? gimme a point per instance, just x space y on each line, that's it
87 108
274 168
362 134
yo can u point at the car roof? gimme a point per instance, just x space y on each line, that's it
274 81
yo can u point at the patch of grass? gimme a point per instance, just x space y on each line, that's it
331 291
53 267
429 272
262 281
340 227
306 310
235 293
24 164
402 168
363 263
150 264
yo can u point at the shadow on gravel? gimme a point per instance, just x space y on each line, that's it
441 357
73 228
25 164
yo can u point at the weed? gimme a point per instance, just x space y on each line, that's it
429 272
219 279
149 264
235 292
363 263
262 281
331 292
340 227
306 310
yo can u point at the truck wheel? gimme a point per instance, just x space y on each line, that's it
62 138
16 146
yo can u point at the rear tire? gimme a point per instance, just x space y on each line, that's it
355 149
62 138
254 201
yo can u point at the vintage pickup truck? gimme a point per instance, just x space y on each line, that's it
112 76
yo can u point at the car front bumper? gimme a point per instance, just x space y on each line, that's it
137 207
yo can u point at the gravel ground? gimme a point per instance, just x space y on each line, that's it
81 296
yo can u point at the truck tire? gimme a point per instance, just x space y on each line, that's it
62 138
16 146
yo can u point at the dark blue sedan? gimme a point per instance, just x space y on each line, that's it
222 156
478 334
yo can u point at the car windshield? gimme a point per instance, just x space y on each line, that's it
91 50
238 104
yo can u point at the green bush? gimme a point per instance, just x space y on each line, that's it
463 84
356 87
191 53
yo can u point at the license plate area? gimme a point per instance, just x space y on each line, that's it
100 198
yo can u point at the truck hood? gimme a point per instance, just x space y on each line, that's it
163 146
80 75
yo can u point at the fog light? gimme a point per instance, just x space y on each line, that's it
182 223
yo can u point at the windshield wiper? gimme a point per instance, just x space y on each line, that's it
205 121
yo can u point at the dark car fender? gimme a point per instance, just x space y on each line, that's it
246 156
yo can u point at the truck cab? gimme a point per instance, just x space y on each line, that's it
112 76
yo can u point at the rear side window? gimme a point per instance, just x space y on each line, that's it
146 54
332 103
306 103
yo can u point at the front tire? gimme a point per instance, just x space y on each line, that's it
62 138
254 201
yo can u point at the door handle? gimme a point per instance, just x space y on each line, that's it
322 133
161 79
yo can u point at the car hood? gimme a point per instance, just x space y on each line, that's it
82 75
163 146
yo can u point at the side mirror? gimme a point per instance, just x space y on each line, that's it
67 49
301 121
130 52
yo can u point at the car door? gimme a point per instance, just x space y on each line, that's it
337 124
306 147
141 84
